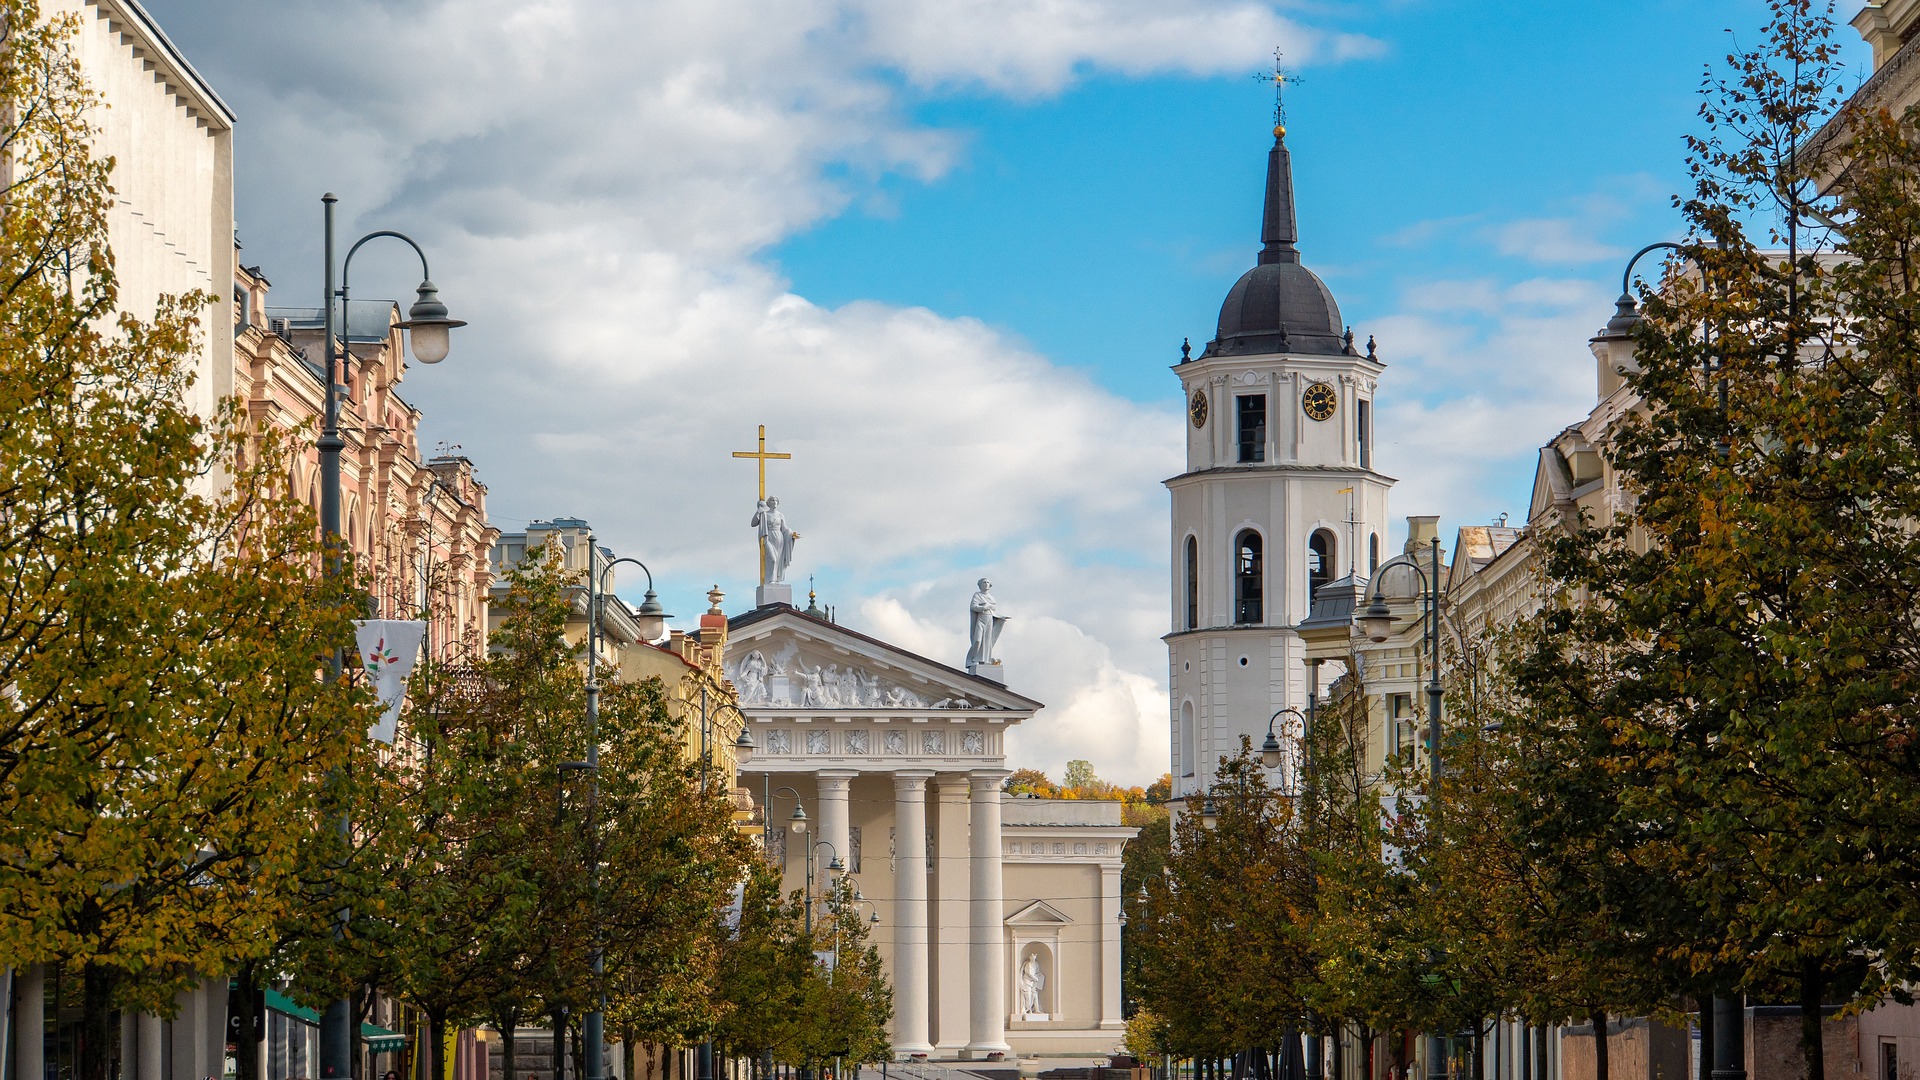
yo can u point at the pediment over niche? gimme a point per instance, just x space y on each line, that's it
782 658
1038 913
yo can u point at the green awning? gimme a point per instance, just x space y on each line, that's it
377 1039
381 1041
281 1003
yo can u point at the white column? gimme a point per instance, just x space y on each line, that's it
910 913
30 1024
988 955
148 1064
833 819
1110 948
951 917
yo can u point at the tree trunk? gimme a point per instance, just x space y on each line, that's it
437 1045
1526 1053
96 1015
246 1058
560 1043
1813 987
1540 1054
1599 1044
1705 1005
1479 1049
508 1025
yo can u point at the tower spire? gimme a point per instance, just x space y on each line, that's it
1279 233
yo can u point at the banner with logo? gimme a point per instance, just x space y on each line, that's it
388 650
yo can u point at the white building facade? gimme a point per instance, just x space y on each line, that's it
1280 494
898 762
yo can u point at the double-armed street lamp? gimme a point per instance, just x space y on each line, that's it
427 329
797 821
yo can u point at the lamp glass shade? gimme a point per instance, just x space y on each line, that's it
1377 623
652 627
430 342
1209 815
743 747
1270 755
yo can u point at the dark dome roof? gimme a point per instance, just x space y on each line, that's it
1279 306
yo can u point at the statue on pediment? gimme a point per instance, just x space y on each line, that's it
984 626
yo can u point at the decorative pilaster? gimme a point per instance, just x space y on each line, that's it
1110 948
910 974
988 955
149 1047
951 916
29 1022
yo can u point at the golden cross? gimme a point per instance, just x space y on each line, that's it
763 457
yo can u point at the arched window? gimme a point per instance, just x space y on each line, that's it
1373 553
1189 739
1319 561
1249 579
1193 583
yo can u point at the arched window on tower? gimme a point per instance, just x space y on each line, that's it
1373 553
1193 583
1189 740
1249 577
1319 561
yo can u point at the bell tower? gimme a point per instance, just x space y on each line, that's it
1280 493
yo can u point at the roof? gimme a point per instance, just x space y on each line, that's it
763 613
171 60
368 321
1279 306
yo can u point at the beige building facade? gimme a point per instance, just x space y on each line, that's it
999 916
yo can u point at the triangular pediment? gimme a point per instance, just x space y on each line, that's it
1038 913
779 657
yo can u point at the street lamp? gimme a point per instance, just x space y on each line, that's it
426 326
1377 623
1271 755
798 822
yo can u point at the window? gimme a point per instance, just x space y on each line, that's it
1373 553
1399 720
1189 739
1248 579
1193 583
1253 427
1889 1061
1319 561
1363 432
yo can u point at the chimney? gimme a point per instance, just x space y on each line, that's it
1422 529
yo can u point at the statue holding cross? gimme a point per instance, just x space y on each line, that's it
774 538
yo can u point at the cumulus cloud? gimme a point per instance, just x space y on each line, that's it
596 180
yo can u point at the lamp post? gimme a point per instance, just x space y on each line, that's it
1273 758
798 822
1377 622
742 749
652 621
427 327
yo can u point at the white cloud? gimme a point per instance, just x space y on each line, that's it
594 180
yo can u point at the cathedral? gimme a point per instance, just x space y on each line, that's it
998 916
1279 496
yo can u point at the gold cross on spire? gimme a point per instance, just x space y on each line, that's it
763 457
1280 80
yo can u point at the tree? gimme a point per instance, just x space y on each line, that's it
167 744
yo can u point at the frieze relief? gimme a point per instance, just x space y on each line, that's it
786 742
787 677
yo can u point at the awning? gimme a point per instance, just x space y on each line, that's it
379 1040
375 1038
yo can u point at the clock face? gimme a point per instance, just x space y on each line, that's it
1197 408
1318 401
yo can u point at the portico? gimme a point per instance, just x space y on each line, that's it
901 760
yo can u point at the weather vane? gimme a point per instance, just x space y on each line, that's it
1280 80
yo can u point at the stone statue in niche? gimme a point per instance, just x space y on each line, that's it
1032 981
856 742
778 743
819 742
776 540
984 628
973 742
853 849
896 742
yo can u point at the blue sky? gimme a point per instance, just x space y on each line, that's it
945 250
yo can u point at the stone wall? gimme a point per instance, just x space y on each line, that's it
1773 1045
1637 1049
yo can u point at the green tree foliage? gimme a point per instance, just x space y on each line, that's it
1235 904
165 744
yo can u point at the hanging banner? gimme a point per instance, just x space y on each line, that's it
388 649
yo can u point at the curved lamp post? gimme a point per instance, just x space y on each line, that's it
426 328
